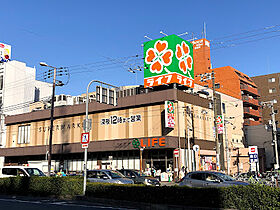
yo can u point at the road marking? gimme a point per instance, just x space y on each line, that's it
58 203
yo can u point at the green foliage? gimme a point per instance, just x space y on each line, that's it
236 197
251 197
41 186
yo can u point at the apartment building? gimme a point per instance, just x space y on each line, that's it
229 81
269 90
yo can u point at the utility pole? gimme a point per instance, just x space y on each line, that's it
188 161
274 137
215 123
52 112
274 130
227 148
204 78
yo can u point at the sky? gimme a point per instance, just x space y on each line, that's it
98 40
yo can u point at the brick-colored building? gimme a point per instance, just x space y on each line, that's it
229 81
269 89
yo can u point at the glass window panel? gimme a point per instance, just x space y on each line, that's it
28 133
25 134
19 133
22 134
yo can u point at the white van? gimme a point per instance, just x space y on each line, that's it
12 171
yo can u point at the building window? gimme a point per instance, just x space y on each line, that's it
224 108
24 134
272 90
1 82
271 80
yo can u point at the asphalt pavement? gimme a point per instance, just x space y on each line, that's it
29 203
37 203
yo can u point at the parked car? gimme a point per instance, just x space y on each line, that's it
209 179
139 177
108 176
11 171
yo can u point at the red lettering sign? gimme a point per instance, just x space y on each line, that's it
152 142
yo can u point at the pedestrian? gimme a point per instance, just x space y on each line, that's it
182 172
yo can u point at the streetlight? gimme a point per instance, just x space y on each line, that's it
87 127
51 119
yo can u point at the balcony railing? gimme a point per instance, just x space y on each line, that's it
253 112
249 89
248 122
253 101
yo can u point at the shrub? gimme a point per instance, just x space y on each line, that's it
237 197
41 186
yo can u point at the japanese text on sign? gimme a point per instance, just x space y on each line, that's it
169 79
113 120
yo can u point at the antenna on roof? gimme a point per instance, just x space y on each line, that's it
161 32
147 37
186 33
204 30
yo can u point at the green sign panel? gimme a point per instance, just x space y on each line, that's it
168 60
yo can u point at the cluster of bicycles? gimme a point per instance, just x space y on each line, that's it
270 178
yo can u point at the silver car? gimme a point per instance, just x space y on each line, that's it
209 179
108 176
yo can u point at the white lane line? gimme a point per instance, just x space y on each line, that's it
79 205
20 201
62 203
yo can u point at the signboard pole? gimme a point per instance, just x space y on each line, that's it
86 130
189 152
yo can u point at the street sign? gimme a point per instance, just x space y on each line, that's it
84 146
253 158
253 154
253 150
85 138
89 124
195 148
176 152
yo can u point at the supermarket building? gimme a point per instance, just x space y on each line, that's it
114 128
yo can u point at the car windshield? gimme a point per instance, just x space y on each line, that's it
115 174
225 177
34 172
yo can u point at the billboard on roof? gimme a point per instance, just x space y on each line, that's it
5 52
168 60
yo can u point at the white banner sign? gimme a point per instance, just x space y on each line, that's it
169 114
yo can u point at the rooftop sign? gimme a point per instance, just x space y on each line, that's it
5 52
168 60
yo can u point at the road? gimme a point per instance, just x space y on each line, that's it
24 203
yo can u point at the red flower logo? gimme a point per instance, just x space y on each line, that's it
159 56
170 108
183 55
